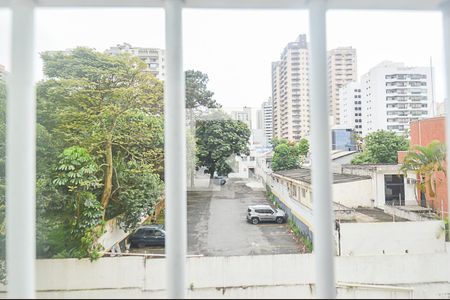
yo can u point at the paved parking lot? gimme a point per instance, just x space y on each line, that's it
217 224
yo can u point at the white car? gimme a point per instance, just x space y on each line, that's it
265 213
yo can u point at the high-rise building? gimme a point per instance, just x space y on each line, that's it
290 91
244 115
267 119
393 95
350 106
341 70
154 58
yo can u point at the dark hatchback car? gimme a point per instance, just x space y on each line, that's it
148 235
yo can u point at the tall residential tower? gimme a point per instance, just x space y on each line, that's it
341 70
393 95
290 91
267 120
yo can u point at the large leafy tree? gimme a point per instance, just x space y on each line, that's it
107 104
303 147
218 141
426 162
103 111
381 148
289 155
198 96
199 100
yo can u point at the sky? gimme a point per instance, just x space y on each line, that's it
236 47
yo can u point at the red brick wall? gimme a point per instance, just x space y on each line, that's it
422 133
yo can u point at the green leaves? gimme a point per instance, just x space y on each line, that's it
217 141
76 170
288 155
426 162
381 148
100 136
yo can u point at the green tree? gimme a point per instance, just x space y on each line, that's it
97 110
285 157
426 163
199 100
219 140
75 174
303 147
381 148
289 155
106 104
278 141
198 96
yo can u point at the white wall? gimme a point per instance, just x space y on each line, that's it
353 194
392 238
275 276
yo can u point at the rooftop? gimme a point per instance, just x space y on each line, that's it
304 175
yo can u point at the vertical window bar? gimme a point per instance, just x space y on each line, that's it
21 156
321 154
446 31
175 153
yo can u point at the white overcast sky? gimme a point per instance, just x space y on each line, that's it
236 48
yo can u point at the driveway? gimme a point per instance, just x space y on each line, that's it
217 224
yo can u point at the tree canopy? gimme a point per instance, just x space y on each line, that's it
426 162
101 129
289 155
381 148
198 96
218 141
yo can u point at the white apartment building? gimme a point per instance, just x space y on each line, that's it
394 95
153 57
290 91
267 119
350 106
244 115
341 70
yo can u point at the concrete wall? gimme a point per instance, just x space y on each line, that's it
392 238
354 194
275 276
296 210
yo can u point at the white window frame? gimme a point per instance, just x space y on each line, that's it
21 126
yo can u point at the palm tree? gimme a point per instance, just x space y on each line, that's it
426 163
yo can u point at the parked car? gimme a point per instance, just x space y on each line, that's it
220 180
265 213
148 235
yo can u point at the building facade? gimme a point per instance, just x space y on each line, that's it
350 104
422 133
343 139
342 69
395 95
154 58
244 115
290 91
267 119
